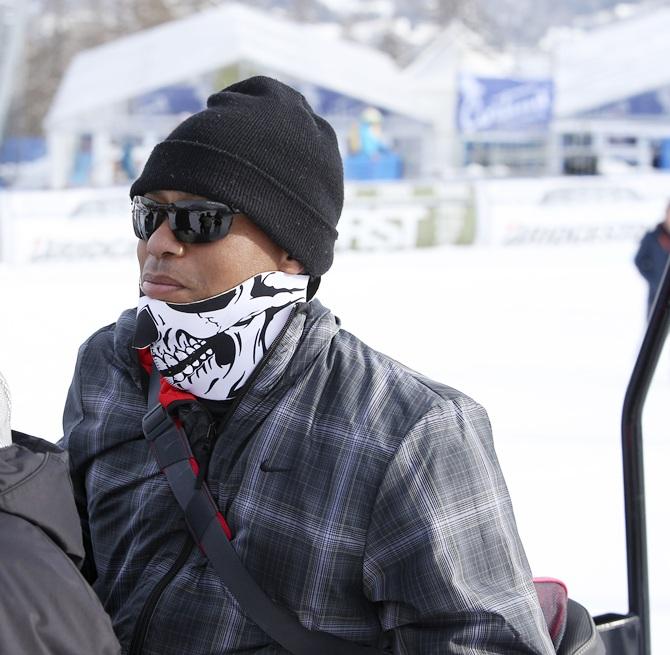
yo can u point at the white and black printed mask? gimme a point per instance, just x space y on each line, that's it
210 347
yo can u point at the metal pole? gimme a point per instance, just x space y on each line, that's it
633 463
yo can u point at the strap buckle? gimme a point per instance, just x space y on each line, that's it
156 422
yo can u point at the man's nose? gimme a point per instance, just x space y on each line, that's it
163 243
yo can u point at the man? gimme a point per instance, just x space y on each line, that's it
46 606
652 256
363 498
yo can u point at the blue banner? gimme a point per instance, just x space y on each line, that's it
18 149
170 100
650 103
326 102
487 103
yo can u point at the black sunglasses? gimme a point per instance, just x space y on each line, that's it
191 221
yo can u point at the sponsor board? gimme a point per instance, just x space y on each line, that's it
71 225
568 210
59 249
394 216
488 104
90 224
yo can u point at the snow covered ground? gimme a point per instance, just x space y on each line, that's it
544 337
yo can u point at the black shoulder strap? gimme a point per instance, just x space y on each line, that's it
172 450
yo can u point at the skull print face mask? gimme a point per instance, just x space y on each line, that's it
210 347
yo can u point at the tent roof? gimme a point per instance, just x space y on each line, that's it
457 48
183 49
612 62
452 49
590 68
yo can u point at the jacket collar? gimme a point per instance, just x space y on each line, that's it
306 336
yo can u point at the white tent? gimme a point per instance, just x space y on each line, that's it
437 74
100 82
590 68
612 62
613 93
606 65
216 38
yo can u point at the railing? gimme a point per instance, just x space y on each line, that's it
633 462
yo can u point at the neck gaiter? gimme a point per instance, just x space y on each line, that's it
210 347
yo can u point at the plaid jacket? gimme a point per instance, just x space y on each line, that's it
363 497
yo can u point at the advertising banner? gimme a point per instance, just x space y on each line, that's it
94 224
564 211
170 100
503 104
65 226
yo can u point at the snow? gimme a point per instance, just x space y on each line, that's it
543 336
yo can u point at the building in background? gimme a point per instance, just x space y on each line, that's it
117 100
613 96
459 109
491 111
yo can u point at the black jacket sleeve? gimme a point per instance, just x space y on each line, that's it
46 607
644 259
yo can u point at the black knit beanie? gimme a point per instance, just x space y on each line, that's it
260 148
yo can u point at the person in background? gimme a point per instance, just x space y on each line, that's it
652 256
46 606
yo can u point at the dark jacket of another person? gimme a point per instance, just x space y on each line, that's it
651 258
46 606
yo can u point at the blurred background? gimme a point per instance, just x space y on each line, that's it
502 159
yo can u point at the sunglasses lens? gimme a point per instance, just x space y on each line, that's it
144 220
201 225
190 223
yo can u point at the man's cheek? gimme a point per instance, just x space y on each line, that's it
141 253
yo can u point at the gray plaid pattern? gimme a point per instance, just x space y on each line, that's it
362 496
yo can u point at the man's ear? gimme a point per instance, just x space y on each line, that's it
290 265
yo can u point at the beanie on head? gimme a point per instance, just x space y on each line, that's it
259 148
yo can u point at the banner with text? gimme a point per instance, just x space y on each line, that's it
503 104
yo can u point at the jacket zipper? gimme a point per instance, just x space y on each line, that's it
142 625
144 619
